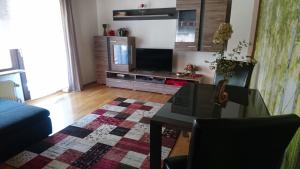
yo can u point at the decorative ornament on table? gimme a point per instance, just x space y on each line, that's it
123 32
191 69
225 63
142 6
104 29
111 33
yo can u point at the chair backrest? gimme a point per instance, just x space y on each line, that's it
241 143
241 76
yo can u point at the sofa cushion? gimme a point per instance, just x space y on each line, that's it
14 116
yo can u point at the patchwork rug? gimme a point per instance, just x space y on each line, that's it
116 136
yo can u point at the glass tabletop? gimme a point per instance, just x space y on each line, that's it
197 101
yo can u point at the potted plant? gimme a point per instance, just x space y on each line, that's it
226 62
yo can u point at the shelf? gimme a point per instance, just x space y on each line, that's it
119 78
155 74
145 14
150 81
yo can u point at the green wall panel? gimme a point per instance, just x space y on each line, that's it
276 36
278 55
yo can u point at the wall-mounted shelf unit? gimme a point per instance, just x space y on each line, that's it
145 14
197 22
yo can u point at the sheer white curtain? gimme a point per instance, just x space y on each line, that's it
35 27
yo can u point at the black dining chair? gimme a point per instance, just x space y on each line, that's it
241 75
257 143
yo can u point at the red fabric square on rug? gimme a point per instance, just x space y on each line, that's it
105 164
100 111
168 142
37 162
93 125
56 138
114 121
135 106
147 108
145 120
69 156
115 154
127 124
146 163
108 120
129 110
72 167
133 145
145 138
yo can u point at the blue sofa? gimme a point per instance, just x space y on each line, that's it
20 126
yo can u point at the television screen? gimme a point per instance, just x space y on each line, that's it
154 59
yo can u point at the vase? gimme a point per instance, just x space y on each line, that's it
221 96
104 29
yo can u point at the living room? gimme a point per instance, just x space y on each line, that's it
150 84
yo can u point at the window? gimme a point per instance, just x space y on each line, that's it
35 27
5 60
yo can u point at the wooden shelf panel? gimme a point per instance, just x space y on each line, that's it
145 14
165 75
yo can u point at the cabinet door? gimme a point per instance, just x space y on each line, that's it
188 22
214 14
101 58
121 53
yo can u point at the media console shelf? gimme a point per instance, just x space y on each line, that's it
145 14
146 81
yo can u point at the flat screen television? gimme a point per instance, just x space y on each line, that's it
154 59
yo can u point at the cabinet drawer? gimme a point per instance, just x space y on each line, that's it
170 89
119 83
151 87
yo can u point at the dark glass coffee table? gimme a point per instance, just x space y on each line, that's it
197 101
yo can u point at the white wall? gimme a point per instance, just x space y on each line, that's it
242 20
86 26
148 33
161 33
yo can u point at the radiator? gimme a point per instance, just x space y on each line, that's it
8 90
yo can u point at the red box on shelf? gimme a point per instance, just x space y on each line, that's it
175 82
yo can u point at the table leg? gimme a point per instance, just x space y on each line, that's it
155 145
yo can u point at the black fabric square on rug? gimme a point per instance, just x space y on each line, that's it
120 99
91 157
125 166
124 104
122 116
119 131
76 131
139 102
39 147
